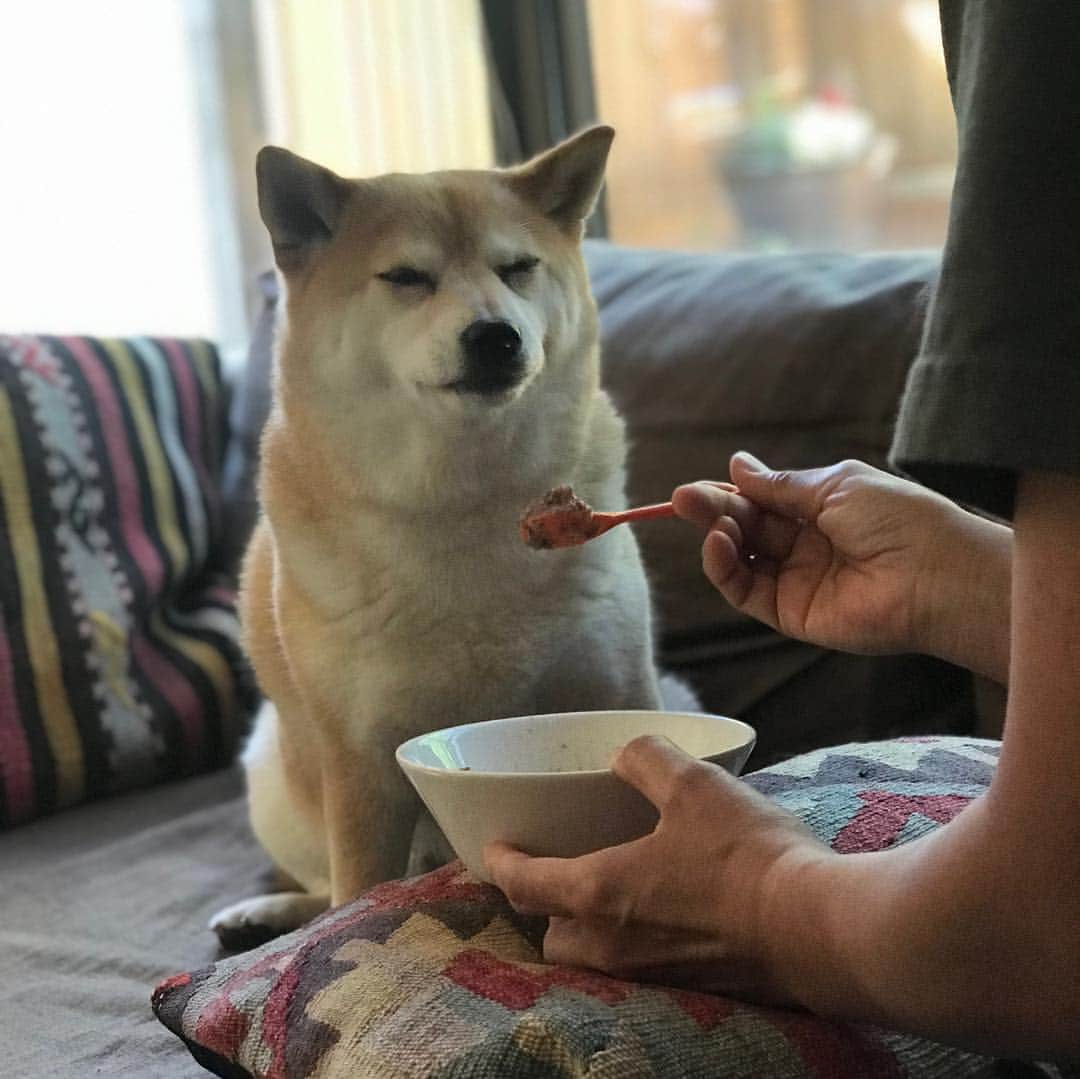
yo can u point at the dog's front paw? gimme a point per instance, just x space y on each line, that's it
252 922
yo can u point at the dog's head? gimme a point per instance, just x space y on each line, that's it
455 290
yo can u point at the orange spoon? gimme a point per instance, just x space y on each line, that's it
561 519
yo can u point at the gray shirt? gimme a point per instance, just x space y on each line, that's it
995 389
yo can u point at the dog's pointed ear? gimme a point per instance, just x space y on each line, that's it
300 203
565 181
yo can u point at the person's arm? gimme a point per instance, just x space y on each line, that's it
970 934
973 934
965 609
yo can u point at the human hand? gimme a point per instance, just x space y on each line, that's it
690 904
853 558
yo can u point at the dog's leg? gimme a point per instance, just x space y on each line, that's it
289 828
254 921
370 812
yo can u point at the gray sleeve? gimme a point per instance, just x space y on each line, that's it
995 390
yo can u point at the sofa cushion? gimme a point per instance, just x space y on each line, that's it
119 662
799 358
439 976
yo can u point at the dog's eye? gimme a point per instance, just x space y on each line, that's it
517 269
407 277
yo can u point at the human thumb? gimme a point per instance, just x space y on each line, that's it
748 464
797 494
653 764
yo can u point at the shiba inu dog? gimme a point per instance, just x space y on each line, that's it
437 368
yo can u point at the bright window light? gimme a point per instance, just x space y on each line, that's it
102 211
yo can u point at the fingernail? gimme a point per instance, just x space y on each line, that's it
750 462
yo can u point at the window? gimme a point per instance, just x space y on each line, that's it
129 198
130 132
774 124
103 212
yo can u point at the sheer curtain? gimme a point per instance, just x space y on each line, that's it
368 86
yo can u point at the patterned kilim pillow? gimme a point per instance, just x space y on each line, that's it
437 976
119 662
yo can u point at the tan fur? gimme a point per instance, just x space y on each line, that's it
386 592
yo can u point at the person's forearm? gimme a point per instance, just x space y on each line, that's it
966 604
971 934
938 938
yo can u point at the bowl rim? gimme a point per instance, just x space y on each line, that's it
748 742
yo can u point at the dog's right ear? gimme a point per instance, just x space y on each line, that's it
565 180
300 204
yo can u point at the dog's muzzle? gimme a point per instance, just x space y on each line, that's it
494 359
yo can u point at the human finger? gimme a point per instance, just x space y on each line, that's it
721 559
748 584
730 527
705 500
662 953
533 885
760 532
655 766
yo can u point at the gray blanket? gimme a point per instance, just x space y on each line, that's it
99 904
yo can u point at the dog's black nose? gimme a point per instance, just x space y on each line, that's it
491 341
493 357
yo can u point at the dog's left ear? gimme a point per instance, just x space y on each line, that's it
300 203
565 180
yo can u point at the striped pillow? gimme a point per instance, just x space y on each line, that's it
119 661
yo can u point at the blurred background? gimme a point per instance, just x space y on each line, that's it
128 130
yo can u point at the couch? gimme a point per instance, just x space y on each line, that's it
799 358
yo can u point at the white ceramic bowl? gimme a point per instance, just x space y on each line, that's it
543 783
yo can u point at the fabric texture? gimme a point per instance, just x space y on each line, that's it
104 901
996 388
438 976
119 661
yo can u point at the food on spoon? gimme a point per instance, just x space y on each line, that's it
561 519
558 519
